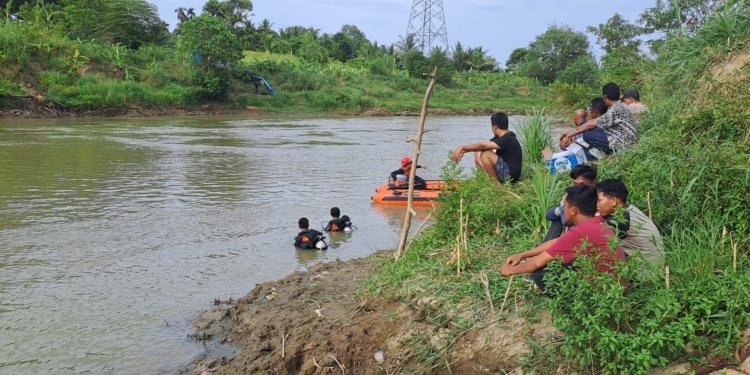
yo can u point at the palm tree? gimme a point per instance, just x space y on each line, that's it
461 57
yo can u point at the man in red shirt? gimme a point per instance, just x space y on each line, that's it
589 236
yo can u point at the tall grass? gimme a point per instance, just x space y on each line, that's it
535 136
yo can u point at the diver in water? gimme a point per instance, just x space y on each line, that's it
309 238
419 182
338 223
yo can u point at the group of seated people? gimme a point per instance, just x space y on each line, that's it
607 125
594 218
594 214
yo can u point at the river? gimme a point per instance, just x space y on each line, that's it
116 233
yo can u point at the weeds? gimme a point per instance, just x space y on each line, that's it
535 136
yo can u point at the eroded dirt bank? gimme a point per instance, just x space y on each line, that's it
30 107
315 323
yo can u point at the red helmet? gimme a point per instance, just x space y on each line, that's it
405 161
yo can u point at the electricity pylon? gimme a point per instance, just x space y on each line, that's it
427 24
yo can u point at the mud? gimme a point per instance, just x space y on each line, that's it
316 323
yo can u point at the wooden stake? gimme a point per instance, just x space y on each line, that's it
648 202
486 283
507 292
415 160
666 271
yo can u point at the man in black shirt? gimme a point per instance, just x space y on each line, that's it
501 156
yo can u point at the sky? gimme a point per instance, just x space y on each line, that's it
497 26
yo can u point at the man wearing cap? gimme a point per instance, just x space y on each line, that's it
632 99
618 123
501 156
419 182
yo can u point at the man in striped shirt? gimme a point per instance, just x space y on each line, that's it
618 122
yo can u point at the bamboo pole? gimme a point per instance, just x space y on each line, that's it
409 205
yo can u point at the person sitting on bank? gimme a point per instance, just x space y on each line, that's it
589 236
579 117
308 238
594 141
405 170
581 175
618 122
338 223
632 99
500 157
637 232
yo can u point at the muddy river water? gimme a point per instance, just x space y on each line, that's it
116 233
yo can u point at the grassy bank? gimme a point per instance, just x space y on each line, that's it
82 75
690 171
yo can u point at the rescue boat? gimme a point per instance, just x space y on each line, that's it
398 195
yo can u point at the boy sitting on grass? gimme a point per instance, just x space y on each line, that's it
637 232
589 237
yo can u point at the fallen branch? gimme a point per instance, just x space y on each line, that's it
338 363
283 345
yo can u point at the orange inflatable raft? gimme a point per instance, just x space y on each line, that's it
388 194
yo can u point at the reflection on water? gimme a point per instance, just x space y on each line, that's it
115 233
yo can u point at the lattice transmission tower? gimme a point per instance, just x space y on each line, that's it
427 24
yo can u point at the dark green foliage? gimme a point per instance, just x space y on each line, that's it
617 34
682 15
416 63
582 71
213 49
236 13
516 58
572 95
472 59
129 22
346 43
439 58
551 52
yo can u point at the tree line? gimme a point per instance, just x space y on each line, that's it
214 40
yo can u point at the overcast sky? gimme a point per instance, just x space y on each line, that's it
498 26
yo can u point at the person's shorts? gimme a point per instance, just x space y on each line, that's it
502 170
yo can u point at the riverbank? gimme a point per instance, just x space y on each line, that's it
29 107
317 322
